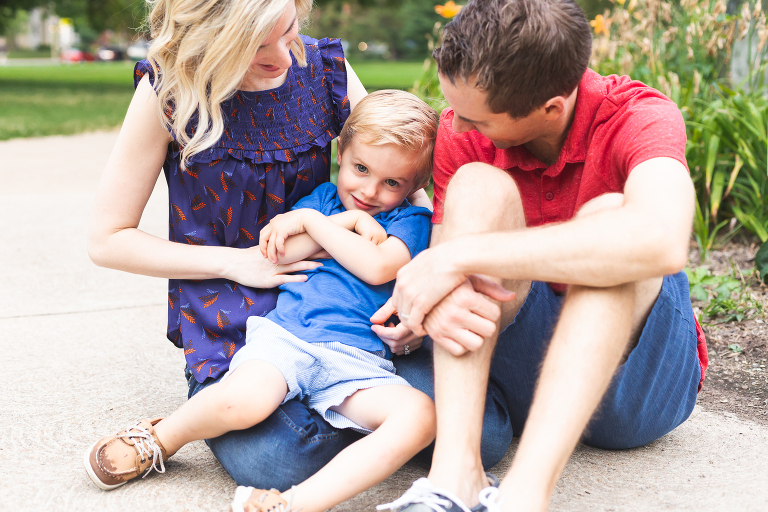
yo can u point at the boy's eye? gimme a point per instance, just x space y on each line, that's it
361 168
392 183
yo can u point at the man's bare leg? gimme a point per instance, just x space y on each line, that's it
480 198
597 328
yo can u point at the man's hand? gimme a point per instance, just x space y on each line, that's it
368 228
272 237
421 284
463 319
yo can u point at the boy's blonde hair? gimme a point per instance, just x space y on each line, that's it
200 54
399 118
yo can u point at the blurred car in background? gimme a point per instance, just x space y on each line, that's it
109 53
139 49
75 55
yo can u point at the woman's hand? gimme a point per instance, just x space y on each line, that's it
368 228
250 268
396 337
272 237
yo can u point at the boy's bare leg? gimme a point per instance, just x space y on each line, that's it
596 330
245 398
480 198
403 423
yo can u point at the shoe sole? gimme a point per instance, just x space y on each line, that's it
92 475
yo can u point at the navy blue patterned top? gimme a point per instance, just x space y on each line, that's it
276 149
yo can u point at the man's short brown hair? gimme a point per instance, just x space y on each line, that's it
521 53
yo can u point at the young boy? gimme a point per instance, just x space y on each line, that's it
317 343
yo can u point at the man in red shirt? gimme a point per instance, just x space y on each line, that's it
563 211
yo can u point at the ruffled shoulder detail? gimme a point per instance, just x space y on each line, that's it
335 73
143 67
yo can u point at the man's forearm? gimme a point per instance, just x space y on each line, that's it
639 240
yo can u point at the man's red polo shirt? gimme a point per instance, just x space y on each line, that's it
618 124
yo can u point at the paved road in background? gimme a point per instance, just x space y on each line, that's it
83 353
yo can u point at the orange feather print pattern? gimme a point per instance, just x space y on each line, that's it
210 335
227 182
188 349
229 348
248 303
178 215
209 299
199 366
275 202
189 314
212 194
226 215
197 203
248 197
195 240
172 300
222 320
245 234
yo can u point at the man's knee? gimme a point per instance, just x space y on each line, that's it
485 196
600 203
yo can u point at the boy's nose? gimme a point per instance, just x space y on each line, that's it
368 191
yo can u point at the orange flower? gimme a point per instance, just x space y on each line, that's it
599 25
449 10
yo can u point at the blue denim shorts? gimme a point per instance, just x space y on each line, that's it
321 375
652 392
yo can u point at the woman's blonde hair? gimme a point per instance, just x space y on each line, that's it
398 118
200 54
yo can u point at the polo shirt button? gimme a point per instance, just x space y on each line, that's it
549 196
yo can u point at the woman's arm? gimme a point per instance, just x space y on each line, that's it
131 173
355 89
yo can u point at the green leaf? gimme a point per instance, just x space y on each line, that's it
712 149
699 292
734 347
761 262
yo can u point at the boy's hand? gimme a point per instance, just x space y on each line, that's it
368 228
272 237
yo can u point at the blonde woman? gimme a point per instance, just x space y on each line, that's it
239 111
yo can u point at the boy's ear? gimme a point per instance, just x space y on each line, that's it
338 156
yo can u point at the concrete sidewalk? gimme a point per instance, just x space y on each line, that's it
85 353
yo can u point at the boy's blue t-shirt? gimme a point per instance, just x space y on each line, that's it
333 304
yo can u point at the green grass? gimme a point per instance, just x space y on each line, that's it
29 54
36 101
59 100
377 75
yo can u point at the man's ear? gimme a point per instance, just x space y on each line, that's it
554 107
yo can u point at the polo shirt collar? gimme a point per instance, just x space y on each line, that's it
592 92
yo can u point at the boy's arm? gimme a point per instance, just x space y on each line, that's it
370 255
371 262
284 240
